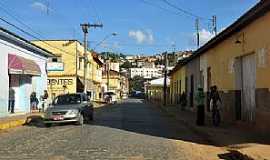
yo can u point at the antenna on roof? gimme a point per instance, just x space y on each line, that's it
48 7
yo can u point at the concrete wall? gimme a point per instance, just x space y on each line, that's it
192 69
177 85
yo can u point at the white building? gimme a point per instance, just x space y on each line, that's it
23 71
115 66
146 73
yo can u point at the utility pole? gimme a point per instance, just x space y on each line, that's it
214 24
165 79
108 72
198 33
174 56
85 27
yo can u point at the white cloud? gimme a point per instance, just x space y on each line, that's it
141 36
205 36
40 6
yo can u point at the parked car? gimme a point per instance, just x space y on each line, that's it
125 96
69 108
110 97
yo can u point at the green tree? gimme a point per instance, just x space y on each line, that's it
126 65
123 56
115 57
136 83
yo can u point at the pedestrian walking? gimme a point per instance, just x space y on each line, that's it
34 101
11 100
200 98
215 104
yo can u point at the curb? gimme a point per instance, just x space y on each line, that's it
17 122
12 124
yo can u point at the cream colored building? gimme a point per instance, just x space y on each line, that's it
66 68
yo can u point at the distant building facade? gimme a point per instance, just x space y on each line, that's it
146 73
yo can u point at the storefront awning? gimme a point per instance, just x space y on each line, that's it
21 65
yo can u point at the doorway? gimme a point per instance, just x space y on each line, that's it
191 90
245 70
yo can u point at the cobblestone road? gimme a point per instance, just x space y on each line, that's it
129 130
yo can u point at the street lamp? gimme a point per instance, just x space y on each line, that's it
105 38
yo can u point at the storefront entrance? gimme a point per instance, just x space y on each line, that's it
21 71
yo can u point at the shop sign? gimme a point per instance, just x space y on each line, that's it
60 81
55 66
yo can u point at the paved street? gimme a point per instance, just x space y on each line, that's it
128 130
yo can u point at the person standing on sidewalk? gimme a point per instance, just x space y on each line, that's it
200 98
215 102
11 100
34 101
44 99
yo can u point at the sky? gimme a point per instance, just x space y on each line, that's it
143 27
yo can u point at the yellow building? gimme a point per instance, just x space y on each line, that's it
237 61
178 83
66 69
112 81
97 76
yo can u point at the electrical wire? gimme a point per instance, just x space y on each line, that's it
97 15
36 38
159 7
18 20
185 11
28 27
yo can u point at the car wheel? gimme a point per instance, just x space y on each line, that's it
48 125
81 120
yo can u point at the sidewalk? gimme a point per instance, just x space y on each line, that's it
240 142
17 120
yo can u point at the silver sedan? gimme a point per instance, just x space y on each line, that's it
69 108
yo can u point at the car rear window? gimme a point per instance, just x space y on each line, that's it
68 99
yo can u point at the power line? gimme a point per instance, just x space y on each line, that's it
159 7
27 26
184 11
18 20
97 15
179 10
29 34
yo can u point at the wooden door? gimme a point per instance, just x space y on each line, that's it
248 87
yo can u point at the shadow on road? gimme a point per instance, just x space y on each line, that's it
136 116
234 155
34 120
